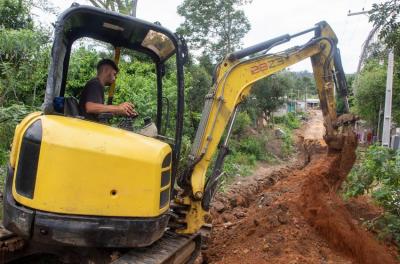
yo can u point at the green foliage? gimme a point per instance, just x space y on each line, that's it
245 151
304 85
290 120
237 165
269 93
127 7
253 146
248 148
378 174
216 26
385 15
9 118
287 123
23 48
272 92
200 84
287 146
242 122
82 68
388 226
137 83
363 176
15 14
370 93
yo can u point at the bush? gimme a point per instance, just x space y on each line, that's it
378 175
9 118
253 146
388 227
245 151
241 123
236 164
290 120
287 143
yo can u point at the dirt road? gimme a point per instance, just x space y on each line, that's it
314 128
292 214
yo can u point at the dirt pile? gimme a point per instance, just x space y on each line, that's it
292 214
327 213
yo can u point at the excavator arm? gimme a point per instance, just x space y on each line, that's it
233 81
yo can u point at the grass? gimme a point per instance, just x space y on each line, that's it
246 150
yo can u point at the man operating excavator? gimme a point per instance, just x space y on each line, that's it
91 102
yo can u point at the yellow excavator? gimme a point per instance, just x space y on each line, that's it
83 190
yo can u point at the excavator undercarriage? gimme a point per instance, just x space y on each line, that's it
172 248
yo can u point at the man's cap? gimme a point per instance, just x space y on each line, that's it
107 62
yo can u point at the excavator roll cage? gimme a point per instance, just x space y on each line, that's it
120 31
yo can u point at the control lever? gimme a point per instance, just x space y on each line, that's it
127 123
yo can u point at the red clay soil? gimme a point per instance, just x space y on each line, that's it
293 215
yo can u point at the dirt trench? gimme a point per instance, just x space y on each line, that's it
292 213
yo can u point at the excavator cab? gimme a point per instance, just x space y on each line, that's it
76 182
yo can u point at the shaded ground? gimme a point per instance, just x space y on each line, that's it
291 213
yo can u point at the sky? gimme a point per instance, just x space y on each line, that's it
271 18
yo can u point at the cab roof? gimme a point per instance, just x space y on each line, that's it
119 30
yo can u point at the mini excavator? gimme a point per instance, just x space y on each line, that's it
83 190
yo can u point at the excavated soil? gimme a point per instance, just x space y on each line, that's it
292 213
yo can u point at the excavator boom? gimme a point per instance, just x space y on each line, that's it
233 81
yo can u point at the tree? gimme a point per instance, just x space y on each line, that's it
127 7
200 83
81 69
370 93
270 92
23 48
14 14
214 26
385 15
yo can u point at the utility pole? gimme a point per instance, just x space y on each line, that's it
379 122
387 120
305 100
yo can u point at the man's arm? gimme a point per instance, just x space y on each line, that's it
121 109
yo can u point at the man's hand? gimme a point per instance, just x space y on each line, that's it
127 109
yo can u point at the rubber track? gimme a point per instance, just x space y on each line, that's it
162 251
171 248
9 243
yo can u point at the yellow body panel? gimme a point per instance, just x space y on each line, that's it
86 168
19 129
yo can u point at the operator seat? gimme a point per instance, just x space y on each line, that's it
71 107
